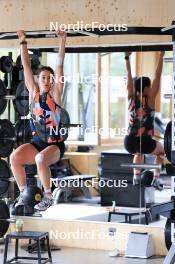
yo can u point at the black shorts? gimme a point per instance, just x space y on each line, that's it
144 145
40 145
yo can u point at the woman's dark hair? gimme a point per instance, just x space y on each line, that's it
45 68
141 83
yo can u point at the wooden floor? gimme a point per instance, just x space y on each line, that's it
83 224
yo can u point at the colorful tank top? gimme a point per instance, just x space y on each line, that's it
45 118
141 121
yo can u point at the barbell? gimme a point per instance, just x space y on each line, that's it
14 136
20 99
141 166
7 64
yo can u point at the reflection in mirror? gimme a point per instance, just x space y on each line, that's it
143 104
145 97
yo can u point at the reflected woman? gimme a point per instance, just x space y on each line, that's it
141 99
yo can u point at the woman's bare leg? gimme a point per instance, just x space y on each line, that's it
159 153
25 154
139 159
44 159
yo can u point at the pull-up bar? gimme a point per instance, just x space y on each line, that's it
45 34
95 32
169 29
100 49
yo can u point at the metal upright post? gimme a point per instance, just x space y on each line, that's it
173 101
170 258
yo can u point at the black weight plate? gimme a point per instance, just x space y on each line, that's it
6 64
4 169
167 141
23 132
7 134
3 102
5 80
4 185
35 63
21 103
15 79
19 63
168 233
170 169
4 214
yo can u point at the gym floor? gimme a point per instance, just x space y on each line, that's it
89 209
77 256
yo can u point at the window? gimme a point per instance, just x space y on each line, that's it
79 96
114 117
118 102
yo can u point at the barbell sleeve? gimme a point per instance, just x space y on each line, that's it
140 166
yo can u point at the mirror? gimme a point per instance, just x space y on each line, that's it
85 100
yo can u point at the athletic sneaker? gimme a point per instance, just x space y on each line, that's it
157 185
45 203
19 200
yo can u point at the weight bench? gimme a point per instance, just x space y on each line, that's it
128 213
64 192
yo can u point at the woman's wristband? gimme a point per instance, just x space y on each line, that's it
23 42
